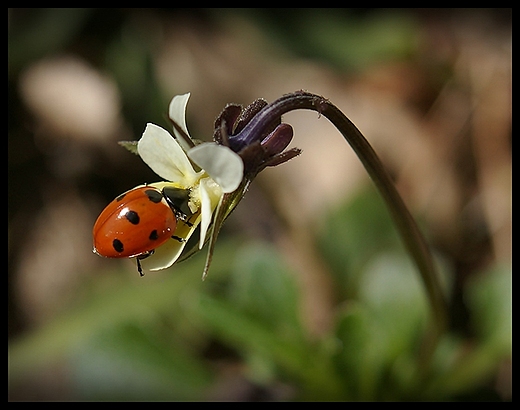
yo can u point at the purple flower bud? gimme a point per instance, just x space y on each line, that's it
277 140
256 134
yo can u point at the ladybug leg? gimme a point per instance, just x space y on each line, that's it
138 260
184 218
139 268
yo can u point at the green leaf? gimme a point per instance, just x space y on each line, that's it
263 287
360 358
462 368
490 299
259 317
131 362
299 361
391 288
353 233
130 146
123 317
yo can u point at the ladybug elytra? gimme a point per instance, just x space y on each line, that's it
140 220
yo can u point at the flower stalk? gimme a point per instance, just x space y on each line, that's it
414 241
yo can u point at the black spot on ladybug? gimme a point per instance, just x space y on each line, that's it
132 217
153 235
118 245
120 197
153 195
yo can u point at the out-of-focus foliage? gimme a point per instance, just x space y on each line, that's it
311 295
341 37
175 338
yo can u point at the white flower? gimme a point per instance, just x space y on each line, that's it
218 170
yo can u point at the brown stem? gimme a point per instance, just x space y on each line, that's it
410 234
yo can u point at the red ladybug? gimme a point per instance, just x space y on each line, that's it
137 222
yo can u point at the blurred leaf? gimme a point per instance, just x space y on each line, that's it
244 332
260 320
117 300
348 41
342 37
490 299
299 361
129 61
354 233
473 367
263 288
359 359
392 289
380 332
464 367
128 362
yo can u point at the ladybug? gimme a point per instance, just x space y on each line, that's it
140 220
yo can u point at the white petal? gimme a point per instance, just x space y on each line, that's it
210 196
164 256
167 254
165 157
177 113
222 164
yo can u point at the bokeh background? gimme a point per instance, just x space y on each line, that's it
311 295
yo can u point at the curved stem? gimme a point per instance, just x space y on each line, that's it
410 234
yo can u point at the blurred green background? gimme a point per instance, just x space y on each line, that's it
311 295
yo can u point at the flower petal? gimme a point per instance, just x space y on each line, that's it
164 256
210 196
162 153
167 254
177 113
221 163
